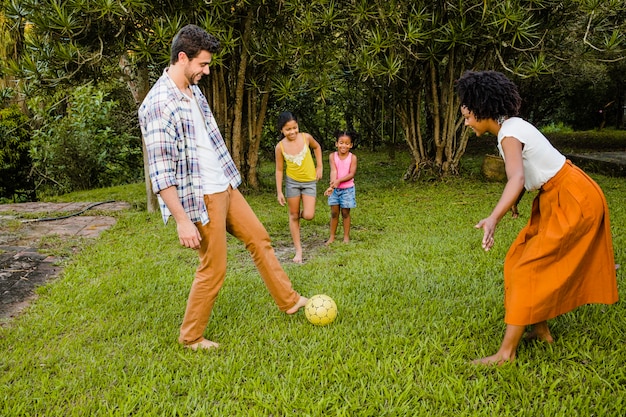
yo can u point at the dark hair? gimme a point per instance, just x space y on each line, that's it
284 118
349 133
192 39
488 94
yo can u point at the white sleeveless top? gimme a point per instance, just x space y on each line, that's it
541 160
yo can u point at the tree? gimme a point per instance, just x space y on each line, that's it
586 85
389 62
71 41
417 49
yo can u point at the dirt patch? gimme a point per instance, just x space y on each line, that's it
22 269
27 233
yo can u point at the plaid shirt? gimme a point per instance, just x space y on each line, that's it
166 121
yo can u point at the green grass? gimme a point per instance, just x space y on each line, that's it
418 299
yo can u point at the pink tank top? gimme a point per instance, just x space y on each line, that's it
343 169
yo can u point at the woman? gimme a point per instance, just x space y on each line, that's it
563 258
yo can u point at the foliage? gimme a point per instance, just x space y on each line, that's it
581 94
559 127
15 163
591 140
417 298
385 68
411 53
75 145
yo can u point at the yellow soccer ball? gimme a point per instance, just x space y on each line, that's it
320 310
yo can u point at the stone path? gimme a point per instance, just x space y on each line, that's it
22 266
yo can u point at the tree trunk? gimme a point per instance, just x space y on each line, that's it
138 81
409 111
436 116
237 136
255 131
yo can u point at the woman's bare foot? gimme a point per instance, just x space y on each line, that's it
497 359
299 304
204 344
507 350
329 241
346 240
541 332
298 258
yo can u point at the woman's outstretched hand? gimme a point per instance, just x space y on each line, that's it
489 227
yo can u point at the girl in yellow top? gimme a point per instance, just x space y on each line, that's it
294 151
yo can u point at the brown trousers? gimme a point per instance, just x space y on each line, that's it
230 212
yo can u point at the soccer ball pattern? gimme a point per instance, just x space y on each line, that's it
320 310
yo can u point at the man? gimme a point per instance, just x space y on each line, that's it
196 181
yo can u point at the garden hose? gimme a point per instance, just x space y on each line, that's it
46 219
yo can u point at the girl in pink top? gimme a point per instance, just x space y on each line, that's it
341 193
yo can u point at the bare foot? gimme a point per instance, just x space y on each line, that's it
346 240
497 359
298 258
299 304
329 241
204 344
539 334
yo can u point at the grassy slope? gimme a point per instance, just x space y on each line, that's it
417 296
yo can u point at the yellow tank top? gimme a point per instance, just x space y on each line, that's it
300 167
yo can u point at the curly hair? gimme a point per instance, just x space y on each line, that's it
192 39
488 94
349 133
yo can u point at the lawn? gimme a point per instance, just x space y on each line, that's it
418 299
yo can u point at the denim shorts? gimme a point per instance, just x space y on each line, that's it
295 188
343 197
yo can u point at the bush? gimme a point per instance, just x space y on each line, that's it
559 127
81 143
15 163
590 140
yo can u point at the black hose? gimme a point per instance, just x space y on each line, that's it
47 219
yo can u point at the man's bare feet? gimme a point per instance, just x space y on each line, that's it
298 258
497 359
299 304
204 344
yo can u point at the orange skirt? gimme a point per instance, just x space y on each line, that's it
563 258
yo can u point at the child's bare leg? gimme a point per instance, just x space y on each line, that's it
334 222
294 226
506 353
308 207
307 213
540 331
299 304
345 214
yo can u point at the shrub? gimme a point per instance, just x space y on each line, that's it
590 140
15 163
80 143
559 127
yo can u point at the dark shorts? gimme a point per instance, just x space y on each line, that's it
343 197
